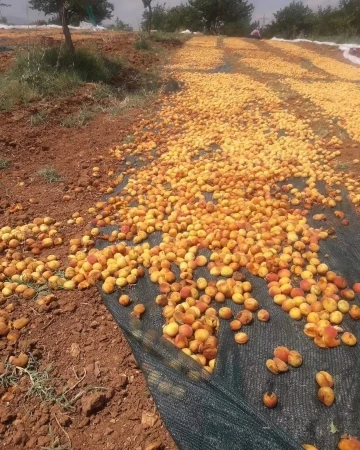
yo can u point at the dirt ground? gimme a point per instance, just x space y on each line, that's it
74 335
76 320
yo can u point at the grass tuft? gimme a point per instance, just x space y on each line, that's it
143 43
79 119
40 72
38 118
55 443
40 382
4 164
50 175
169 38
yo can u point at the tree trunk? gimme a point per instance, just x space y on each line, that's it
68 40
150 20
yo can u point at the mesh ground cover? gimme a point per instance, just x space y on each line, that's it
224 410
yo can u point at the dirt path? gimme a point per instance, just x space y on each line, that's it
242 97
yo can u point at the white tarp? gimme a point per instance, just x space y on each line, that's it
83 26
345 48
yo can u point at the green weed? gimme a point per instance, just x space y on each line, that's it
50 175
143 43
38 118
40 72
4 164
79 119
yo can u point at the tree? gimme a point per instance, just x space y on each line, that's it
147 4
120 26
70 11
183 17
217 14
349 10
326 21
172 19
3 20
158 18
292 20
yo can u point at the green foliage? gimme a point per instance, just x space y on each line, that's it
168 37
14 92
292 20
158 17
172 19
219 15
3 20
231 17
4 164
75 10
50 175
120 26
79 119
337 23
38 118
142 43
41 72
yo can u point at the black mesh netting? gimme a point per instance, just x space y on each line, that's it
224 410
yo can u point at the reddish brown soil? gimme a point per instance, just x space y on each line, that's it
75 335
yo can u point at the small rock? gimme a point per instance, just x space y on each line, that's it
108 431
89 368
93 403
43 431
75 350
43 441
20 437
64 420
6 416
94 324
32 443
71 307
44 419
109 394
97 371
148 420
120 381
154 446
132 361
84 422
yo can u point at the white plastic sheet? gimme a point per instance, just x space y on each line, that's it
345 48
83 26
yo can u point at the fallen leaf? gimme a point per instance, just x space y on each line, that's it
333 428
